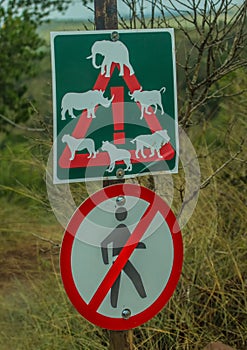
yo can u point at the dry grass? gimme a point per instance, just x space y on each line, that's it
210 302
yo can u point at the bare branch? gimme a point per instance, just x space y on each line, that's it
21 127
122 22
215 33
46 240
206 182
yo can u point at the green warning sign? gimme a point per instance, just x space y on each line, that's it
114 104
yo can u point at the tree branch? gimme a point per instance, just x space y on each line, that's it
21 127
46 240
206 182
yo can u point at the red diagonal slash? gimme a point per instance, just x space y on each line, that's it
123 257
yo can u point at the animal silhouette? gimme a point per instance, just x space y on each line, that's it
115 155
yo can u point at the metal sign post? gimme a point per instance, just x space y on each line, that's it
105 14
106 18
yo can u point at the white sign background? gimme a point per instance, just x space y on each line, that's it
154 263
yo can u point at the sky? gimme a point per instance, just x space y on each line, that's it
78 11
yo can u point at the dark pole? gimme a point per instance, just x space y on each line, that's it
106 14
106 18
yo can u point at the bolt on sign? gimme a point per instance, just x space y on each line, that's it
115 104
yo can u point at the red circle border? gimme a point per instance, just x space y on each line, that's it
66 249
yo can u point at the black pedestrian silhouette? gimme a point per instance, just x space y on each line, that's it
119 237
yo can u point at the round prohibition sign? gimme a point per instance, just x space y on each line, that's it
134 227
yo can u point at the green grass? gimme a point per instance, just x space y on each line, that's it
63 25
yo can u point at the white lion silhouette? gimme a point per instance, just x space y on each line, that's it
79 144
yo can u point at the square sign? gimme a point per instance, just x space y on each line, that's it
114 104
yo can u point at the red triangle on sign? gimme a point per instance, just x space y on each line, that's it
102 159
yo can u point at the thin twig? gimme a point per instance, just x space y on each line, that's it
20 126
206 182
46 240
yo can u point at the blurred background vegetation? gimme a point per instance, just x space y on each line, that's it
210 302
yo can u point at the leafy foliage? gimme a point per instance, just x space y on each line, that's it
20 51
18 55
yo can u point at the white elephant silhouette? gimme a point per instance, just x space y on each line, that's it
113 52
